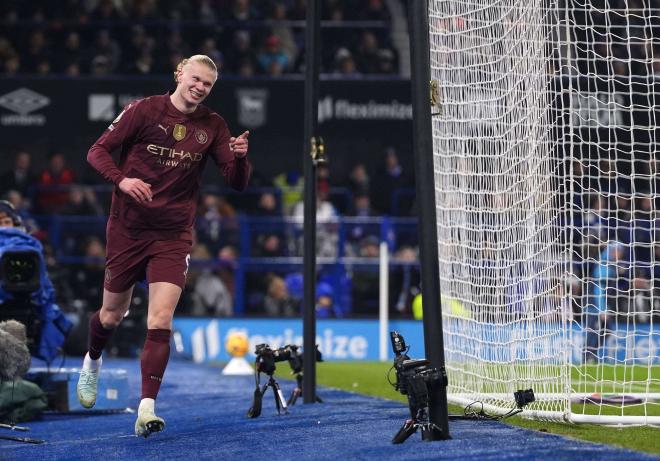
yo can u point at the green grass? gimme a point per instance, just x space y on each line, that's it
369 378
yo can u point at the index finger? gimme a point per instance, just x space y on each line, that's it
244 135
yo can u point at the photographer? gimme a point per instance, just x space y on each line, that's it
26 292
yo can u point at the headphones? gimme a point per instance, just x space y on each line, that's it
8 208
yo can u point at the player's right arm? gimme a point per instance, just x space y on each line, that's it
121 131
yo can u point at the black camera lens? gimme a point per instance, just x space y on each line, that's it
20 271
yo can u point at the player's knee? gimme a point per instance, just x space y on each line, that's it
110 319
161 321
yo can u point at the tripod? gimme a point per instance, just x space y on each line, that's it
297 392
280 403
419 421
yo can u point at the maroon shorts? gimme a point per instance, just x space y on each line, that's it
129 261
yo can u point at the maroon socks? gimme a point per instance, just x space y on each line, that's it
154 359
98 336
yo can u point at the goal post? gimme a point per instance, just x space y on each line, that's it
546 191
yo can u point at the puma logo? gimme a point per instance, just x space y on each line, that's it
164 128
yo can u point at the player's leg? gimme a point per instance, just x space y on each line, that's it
166 274
126 262
163 298
101 326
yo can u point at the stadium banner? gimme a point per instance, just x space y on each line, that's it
203 339
69 114
358 118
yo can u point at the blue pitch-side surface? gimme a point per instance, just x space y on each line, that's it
205 415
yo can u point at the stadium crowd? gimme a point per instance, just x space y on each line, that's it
67 213
245 38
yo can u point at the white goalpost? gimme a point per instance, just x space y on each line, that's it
546 188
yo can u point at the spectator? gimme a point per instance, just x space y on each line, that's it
387 180
22 207
386 61
365 280
228 259
241 53
358 179
374 10
404 280
210 48
291 186
210 296
367 53
601 303
278 302
143 10
269 241
70 56
82 202
53 181
345 64
37 51
326 218
217 223
356 231
283 32
20 177
272 59
140 45
325 304
86 278
243 10
106 52
12 65
107 11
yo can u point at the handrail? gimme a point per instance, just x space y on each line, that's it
62 230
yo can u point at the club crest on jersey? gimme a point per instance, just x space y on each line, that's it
201 136
179 132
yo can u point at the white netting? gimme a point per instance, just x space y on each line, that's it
544 144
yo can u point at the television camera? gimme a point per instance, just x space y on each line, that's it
415 379
265 361
26 293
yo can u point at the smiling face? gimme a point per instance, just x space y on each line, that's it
195 81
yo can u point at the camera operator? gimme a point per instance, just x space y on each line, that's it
26 292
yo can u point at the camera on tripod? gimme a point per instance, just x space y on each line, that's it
415 378
267 357
265 361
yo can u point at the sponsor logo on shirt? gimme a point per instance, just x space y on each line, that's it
169 156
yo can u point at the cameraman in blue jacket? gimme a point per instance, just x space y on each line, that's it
18 252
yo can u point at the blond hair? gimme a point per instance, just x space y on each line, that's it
200 58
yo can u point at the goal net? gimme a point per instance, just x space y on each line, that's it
546 186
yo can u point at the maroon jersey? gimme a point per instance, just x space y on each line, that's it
167 149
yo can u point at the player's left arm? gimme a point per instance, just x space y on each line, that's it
230 154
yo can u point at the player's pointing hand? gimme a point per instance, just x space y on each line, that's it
239 145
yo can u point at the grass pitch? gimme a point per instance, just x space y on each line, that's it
370 378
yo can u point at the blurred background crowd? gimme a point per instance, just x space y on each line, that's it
245 38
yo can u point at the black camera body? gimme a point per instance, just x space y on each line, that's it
415 378
412 374
267 357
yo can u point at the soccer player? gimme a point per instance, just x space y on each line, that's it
165 142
